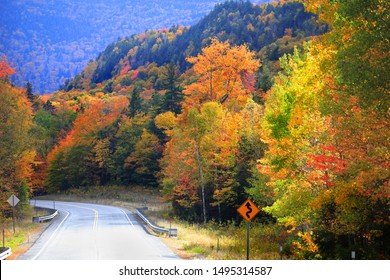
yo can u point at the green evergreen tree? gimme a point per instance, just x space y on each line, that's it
135 102
29 92
174 91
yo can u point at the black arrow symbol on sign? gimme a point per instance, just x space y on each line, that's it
249 206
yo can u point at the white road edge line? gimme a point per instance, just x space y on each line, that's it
127 217
48 241
143 237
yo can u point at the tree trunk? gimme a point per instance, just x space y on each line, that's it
199 160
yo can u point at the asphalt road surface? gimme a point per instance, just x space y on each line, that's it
95 232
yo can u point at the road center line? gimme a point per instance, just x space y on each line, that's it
96 214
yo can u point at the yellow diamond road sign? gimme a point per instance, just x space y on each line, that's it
248 210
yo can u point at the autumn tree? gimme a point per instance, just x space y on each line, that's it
222 71
326 127
82 156
206 136
17 150
198 160
142 163
292 128
179 175
5 69
358 103
251 148
124 141
360 35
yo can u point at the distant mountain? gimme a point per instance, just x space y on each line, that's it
51 41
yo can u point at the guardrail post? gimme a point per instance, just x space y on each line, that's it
173 232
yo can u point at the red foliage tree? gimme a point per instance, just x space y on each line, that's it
5 69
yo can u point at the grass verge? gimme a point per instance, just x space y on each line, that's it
227 242
25 232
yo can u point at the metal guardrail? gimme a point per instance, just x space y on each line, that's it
5 254
41 219
170 232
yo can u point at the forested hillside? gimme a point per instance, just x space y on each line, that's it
283 105
272 30
150 70
51 41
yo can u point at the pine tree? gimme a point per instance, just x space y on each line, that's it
135 102
174 92
29 92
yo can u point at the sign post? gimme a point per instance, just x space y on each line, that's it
248 228
170 226
248 210
13 200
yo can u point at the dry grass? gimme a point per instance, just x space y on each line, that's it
227 242
25 233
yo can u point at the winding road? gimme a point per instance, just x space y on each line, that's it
95 232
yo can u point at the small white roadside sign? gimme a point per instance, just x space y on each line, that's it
13 200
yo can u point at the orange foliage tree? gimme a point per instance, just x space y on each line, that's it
82 156
16 146
222 71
